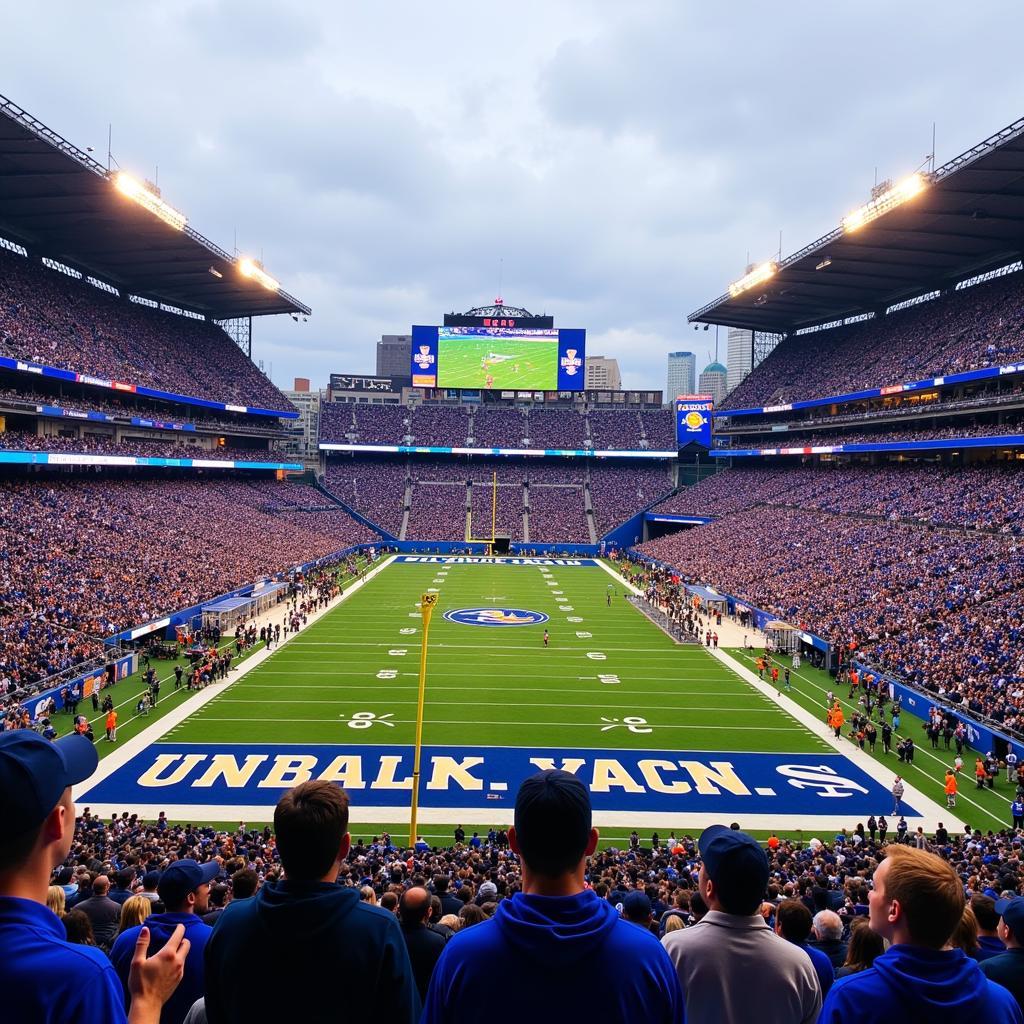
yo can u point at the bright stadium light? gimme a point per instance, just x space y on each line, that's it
250 268
757 276
146 197
888 200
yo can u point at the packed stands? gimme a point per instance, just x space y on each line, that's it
497 426
375 424
76 562
438 512
619 429
375 488
440 426
50 318
558 513
557 428
965 330
618 492
336 421
659 429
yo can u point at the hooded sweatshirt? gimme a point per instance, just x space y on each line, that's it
308 952
554 958
160 926
910 984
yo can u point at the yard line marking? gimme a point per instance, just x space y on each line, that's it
512 704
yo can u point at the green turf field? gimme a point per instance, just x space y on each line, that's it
533 365
611 680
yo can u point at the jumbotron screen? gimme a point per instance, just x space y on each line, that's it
498 358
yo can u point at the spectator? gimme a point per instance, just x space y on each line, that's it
41 971
636 908
916 903
134 911
989 942
121 891
308 926
794 923
55 899
103 913
425 945
78 928
1007 968
554 951
828 937
732 967
184 890
864 947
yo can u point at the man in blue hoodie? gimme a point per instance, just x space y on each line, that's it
307 949
555 951
916 902
184 889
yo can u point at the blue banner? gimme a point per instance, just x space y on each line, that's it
80 688
256 775
925 444
572 359
423 365
693 419
579 453
82 459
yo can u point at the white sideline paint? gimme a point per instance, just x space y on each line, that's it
137 744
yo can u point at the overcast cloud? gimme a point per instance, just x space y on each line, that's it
622 159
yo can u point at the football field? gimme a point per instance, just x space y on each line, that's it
663 734
520 364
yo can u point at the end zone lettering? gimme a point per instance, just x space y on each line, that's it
485 560
467 777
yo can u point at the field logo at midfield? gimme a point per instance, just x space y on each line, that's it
495 617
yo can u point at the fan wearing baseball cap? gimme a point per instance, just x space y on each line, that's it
732 966
44 977
184 889
1008 968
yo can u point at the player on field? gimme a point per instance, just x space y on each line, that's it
546 638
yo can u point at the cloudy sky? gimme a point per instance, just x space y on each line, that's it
620 159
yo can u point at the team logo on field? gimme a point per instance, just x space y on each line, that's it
495 617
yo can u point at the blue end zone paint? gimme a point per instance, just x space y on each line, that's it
226 775
483 560
495 617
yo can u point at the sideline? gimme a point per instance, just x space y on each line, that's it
137 744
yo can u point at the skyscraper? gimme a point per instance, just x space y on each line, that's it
740 357
712 381
602 374
394 353
682 373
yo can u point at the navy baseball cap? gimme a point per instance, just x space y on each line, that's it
1012 913
183 877
636 905
34 772
733 860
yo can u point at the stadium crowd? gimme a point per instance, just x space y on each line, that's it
76 567
530 920
50 318
967 329
156 447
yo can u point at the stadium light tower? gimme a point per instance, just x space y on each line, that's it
149 197
250 268
900 193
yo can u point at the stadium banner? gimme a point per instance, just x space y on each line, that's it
408 449
81 459
255 774
81 687
490 560
572 355
21 366
988 373
693 419
926 444
653 517
980 737
423 366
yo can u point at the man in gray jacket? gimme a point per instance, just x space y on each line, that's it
732 966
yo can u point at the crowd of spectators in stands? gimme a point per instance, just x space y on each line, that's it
618 492
156 447
821 921
76 565
440 425
968 329
50 318
373 487
499 426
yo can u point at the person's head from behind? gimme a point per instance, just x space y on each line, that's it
414 906
985 913
1011 922
828 927
965 934
734 871
793 921
865 944
244 884
636 908
367 895
674 923
471 914
552 831
38 814
134 911
78 928
311 825
916 899
56 900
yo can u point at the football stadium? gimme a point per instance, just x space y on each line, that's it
766 639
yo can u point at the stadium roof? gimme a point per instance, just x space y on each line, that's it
967 221
57 201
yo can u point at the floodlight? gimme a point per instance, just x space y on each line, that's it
146 197
758 275
888 200
826 262
215 272
250 268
